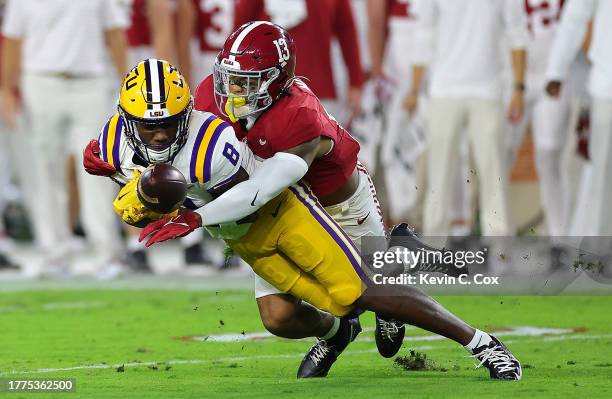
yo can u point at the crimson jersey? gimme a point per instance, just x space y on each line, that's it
322 21
292 120
399 8
214 23
139 33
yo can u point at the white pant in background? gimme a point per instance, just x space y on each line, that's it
362 204
447 117
598 214
550 126
62 115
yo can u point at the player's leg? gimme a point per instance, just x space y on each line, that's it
281 315
550 120
445 120
289 317
599 214
360 216
329 256
485 130
45 123
99 220
413 306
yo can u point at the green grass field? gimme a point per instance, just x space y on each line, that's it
152 344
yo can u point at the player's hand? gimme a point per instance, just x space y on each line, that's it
171 227
128 206
354 100
411 102
92 162
517 107
553 88
10 108
383 88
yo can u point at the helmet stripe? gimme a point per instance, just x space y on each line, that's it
147 66
242 35
162 86
155 92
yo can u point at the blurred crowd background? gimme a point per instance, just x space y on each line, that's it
476 117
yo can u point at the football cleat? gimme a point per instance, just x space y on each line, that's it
138 262
499 360
404 236
324 353
389 335
7 263
195 255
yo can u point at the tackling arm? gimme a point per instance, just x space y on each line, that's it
267 181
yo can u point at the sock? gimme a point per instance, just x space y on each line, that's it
133 245
333 330
480 338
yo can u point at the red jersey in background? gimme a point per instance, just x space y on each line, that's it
312 31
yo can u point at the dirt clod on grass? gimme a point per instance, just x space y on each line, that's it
417 361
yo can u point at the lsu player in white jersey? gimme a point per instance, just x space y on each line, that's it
291 241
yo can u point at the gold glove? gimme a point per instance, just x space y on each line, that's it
128 206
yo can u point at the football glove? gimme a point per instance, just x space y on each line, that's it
128 206
171 227
92 162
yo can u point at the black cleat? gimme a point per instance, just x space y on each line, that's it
195 255
499 360
389 335
6 263
138 262
404 236
324 353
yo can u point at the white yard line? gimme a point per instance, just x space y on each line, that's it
282 356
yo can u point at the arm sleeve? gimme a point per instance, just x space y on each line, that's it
14 23
346 32
424 31
515 24
569 38
269 179
114 16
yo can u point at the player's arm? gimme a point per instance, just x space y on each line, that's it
515 23
346 32
568 40
377 27
161 26
13 30
11 65
117 45
185 29
424 42
267 181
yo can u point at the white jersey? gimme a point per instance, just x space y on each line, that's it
210 159
460 39
542 20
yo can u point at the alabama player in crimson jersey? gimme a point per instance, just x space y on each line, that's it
314 24
284 123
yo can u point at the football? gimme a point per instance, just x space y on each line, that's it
162 188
